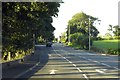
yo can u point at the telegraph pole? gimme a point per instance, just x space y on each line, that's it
89 34
69 34
33 43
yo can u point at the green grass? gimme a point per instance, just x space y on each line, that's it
107 44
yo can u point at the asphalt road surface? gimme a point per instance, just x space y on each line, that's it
65 63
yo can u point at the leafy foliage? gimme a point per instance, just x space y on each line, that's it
114 30
79 29
113 51
23 19
80 39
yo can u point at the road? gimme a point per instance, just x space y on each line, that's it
63 62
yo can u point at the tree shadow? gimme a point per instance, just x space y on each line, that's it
39 59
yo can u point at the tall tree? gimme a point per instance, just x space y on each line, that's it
81 22
116 30
79 27
23 19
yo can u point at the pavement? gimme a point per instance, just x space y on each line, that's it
60 62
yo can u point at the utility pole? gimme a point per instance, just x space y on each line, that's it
89 34
33 43
69 34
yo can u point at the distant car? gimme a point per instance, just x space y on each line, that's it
48 44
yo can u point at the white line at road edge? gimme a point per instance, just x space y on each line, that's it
100 71
99 63
72 64
27 70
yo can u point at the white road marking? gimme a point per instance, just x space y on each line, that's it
89 59
101 70
104 54
52 71
70 62
64 57
26 71
84 75
116 68
105 64
49 54
74 65
67 60
100 63
79 69
96 61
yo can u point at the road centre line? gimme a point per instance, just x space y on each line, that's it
84 75
74 65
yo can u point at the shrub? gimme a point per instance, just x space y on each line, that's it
80 39
113 51
95 49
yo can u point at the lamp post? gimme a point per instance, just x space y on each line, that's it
33 43
89 35
69 34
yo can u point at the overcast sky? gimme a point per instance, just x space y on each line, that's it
105 10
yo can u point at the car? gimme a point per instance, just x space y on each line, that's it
48 44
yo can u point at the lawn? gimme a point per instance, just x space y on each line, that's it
106 44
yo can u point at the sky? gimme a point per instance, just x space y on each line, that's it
105 10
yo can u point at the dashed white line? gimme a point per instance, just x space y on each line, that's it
64 57
84 75
79 69
74 65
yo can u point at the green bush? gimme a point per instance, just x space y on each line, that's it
96 49
113 51
80 39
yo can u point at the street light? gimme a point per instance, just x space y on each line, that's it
69 34
33 43
89 35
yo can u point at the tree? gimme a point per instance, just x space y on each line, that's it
108 36
20 20
80 23
63 37
114 30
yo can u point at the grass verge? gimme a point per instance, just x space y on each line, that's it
107 46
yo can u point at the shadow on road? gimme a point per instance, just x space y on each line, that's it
28 68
